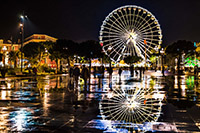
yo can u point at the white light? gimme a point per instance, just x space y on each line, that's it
22 17
4 48
109 48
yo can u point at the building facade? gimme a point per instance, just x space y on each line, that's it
42 38
5 48
39 38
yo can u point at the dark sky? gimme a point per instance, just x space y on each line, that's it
80 20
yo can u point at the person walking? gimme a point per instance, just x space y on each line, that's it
85 75
94 71
102 70
71 72
132 70
76 73
110 71
35 71
120 71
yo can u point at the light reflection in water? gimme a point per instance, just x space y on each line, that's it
20 119
46 104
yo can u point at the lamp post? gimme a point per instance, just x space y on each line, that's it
4 55
162 53
23 16
156 49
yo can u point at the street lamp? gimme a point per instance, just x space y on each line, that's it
22 36
162 54
156 50
4 55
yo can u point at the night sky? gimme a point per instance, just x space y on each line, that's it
80 20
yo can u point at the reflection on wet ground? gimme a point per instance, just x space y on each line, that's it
51 104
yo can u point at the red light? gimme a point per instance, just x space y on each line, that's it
145 42
145 101
101 44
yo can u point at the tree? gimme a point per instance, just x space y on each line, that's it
90 49
67 49
176 50
132 59
33 50
13 55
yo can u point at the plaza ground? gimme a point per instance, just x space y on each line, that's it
51 104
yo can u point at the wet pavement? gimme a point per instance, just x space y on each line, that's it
52 104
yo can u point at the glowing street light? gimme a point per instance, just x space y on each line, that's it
4 55
162 53
22 35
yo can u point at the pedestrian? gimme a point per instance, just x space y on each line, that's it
85 75
120 71
94 71
110 71
132 71
71 72
136 72
76 73
102 70
35 70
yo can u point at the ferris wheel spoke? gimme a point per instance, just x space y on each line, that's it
117 113
116 98
120 20
130 17
140 20
117 26
115 48
133 20
120 28
141 114
112 110
112 32
142 49
148 25
148 46
109 107
116 30
122 115
107 44
153 29
111 40
111 36
143 19
148 113
136 19
119 53
114 27
123 18
127 18
146 22
151 42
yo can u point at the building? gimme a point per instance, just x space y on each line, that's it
39 38
5 48
42 38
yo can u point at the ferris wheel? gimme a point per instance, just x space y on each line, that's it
133 106
130 31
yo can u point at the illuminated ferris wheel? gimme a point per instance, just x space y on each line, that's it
136 105
130 31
